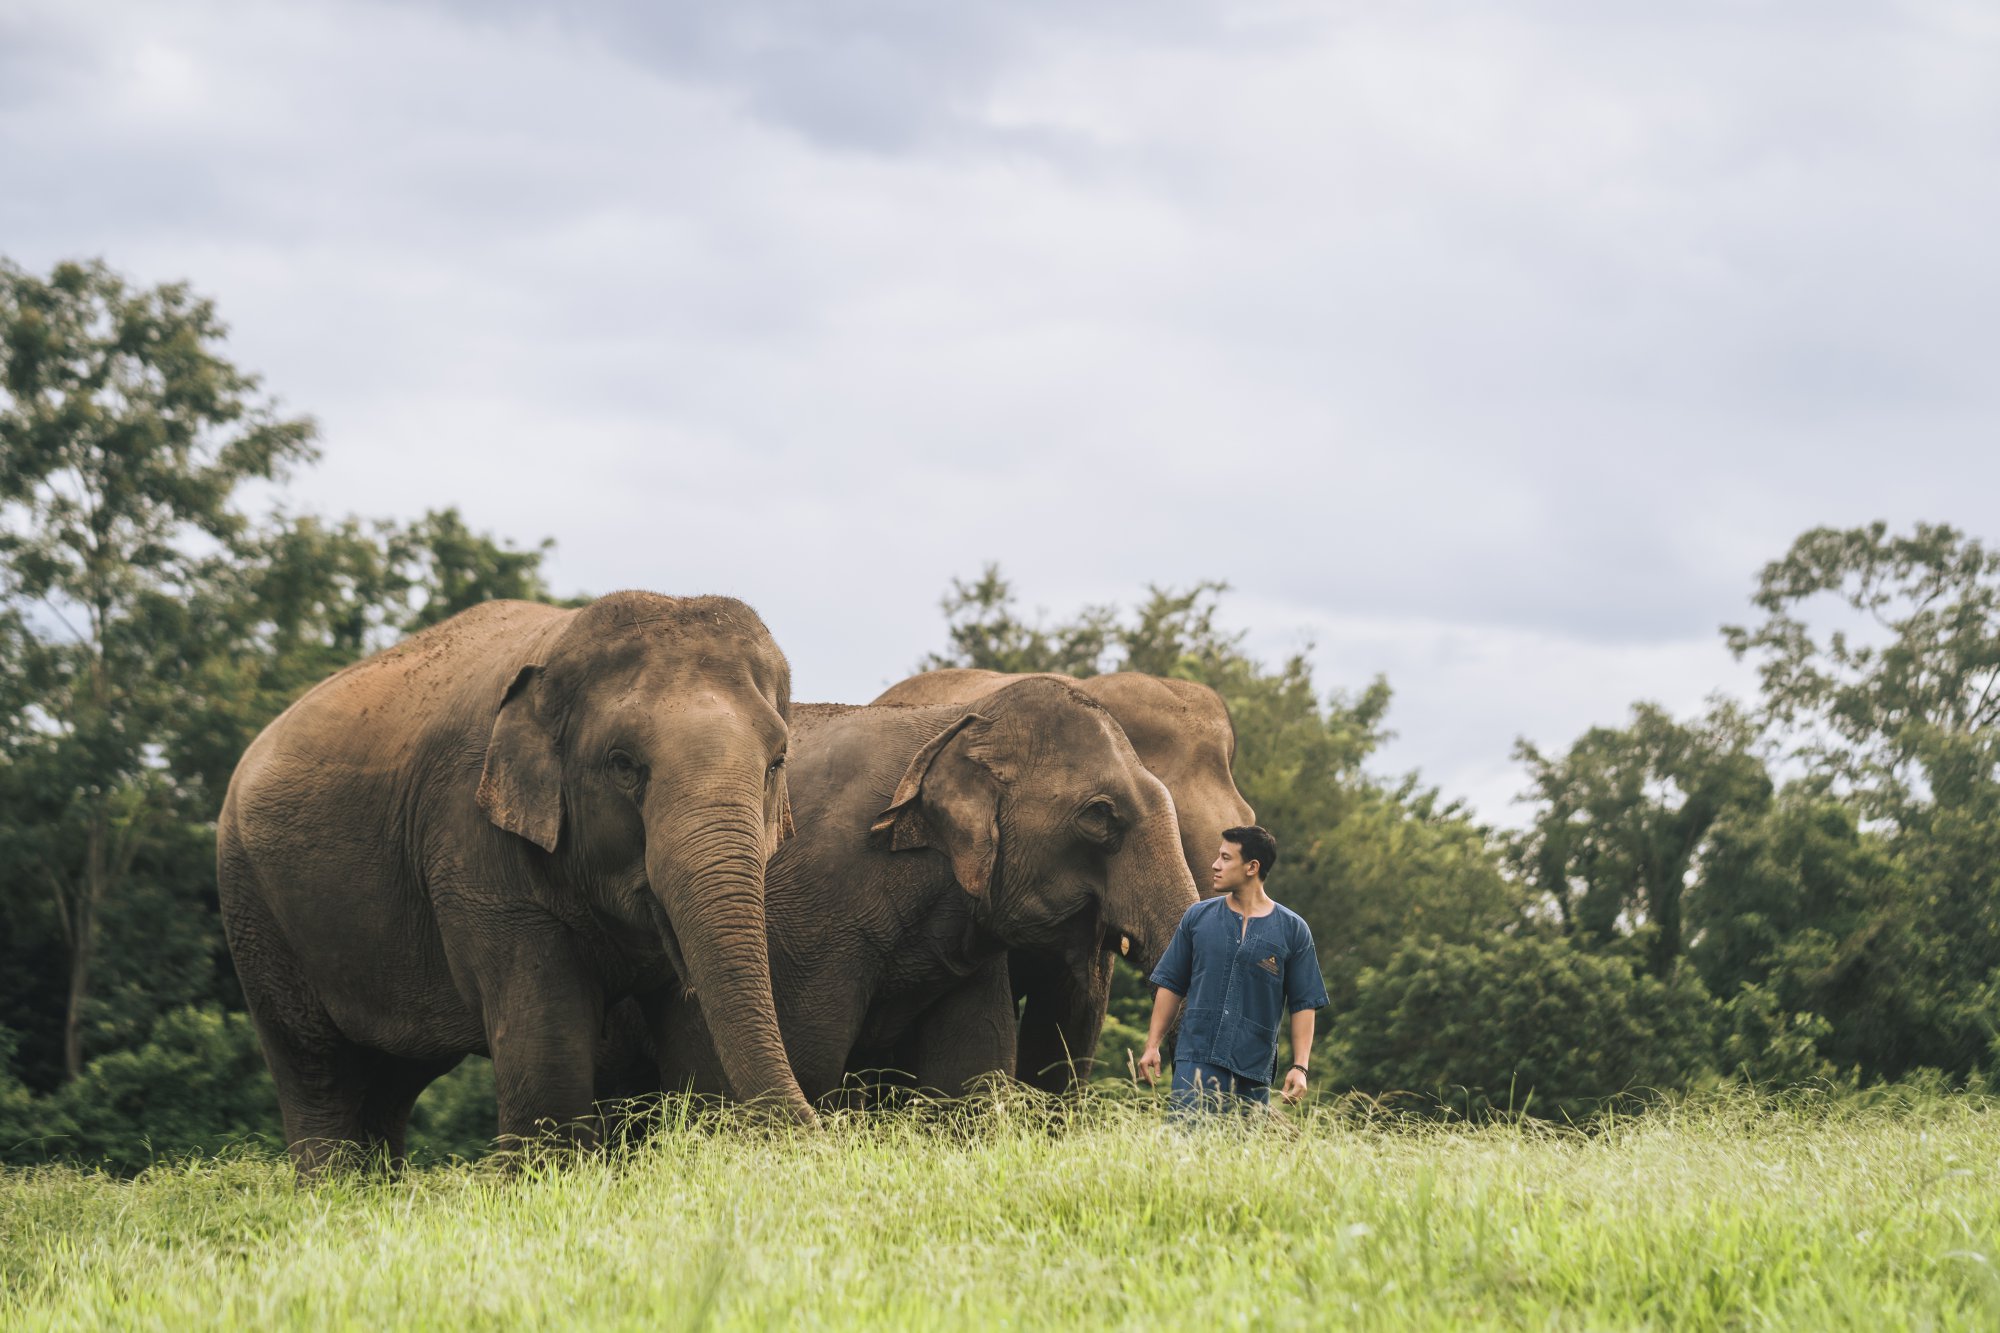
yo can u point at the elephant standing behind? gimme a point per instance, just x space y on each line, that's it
474 841
1183 735
931 841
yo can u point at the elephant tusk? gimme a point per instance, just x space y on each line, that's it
1125 945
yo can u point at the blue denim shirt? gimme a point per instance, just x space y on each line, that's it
1239 984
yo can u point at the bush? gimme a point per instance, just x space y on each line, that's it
457 1115
1764 1044
198 1085
28 1125
1531 1025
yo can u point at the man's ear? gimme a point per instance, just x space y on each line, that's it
520 789
949 799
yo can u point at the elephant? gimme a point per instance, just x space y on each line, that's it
475 841
1183 735
931 841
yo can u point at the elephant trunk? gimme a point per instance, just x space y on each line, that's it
1148 887
706 866
1202 822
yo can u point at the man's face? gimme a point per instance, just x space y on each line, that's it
1230 872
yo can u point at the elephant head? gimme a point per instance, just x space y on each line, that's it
1049 821
643 751
1183 735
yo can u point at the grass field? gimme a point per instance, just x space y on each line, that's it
1722 1213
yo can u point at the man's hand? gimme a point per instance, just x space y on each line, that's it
1302 1044
1166 1004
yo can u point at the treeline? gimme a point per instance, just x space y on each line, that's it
1796 889
1801 889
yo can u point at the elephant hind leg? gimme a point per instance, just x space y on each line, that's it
322 1083
321 1077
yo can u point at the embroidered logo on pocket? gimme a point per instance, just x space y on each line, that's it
1270 965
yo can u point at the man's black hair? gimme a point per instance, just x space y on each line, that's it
1258 845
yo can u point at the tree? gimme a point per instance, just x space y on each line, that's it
1903 698
296 599
124 437
1527 1024
986 633
1879 656
445 568
1623 817
1801 921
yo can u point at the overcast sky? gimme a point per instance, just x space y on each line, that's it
1493 347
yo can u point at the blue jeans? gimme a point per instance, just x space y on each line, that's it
1200 1087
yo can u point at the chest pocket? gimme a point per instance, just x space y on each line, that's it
1268 963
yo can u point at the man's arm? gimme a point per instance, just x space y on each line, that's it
1165 1005
1302 1044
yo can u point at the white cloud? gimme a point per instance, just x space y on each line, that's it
1536 330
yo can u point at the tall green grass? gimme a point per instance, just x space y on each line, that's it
1729 1212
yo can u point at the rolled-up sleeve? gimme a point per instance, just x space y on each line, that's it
1304 987
1176 967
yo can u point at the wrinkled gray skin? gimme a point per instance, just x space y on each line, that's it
473 842
1182 734
931 840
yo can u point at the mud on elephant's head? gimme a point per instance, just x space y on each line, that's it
1049 821
643 746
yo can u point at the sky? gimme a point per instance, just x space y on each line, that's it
1491 348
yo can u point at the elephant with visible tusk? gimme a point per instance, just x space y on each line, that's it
476 841
931 841
1183 735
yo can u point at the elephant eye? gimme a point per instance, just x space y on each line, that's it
776 764
624 768
1099 821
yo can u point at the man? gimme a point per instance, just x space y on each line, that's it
1240 961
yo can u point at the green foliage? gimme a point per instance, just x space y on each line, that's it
1399 865
1880 661
1622 819
1800 905
124 437
197 1085
455 1117
1764 1044
149 627
1525 1024
986 633
1886 698
30 1130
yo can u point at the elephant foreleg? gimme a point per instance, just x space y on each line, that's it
1066 1000
968 1034
543 1030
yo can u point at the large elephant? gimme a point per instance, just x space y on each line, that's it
931 841
1183 735
474 841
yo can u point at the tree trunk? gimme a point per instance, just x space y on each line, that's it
83 947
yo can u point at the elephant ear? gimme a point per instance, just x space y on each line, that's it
949 799
520 789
